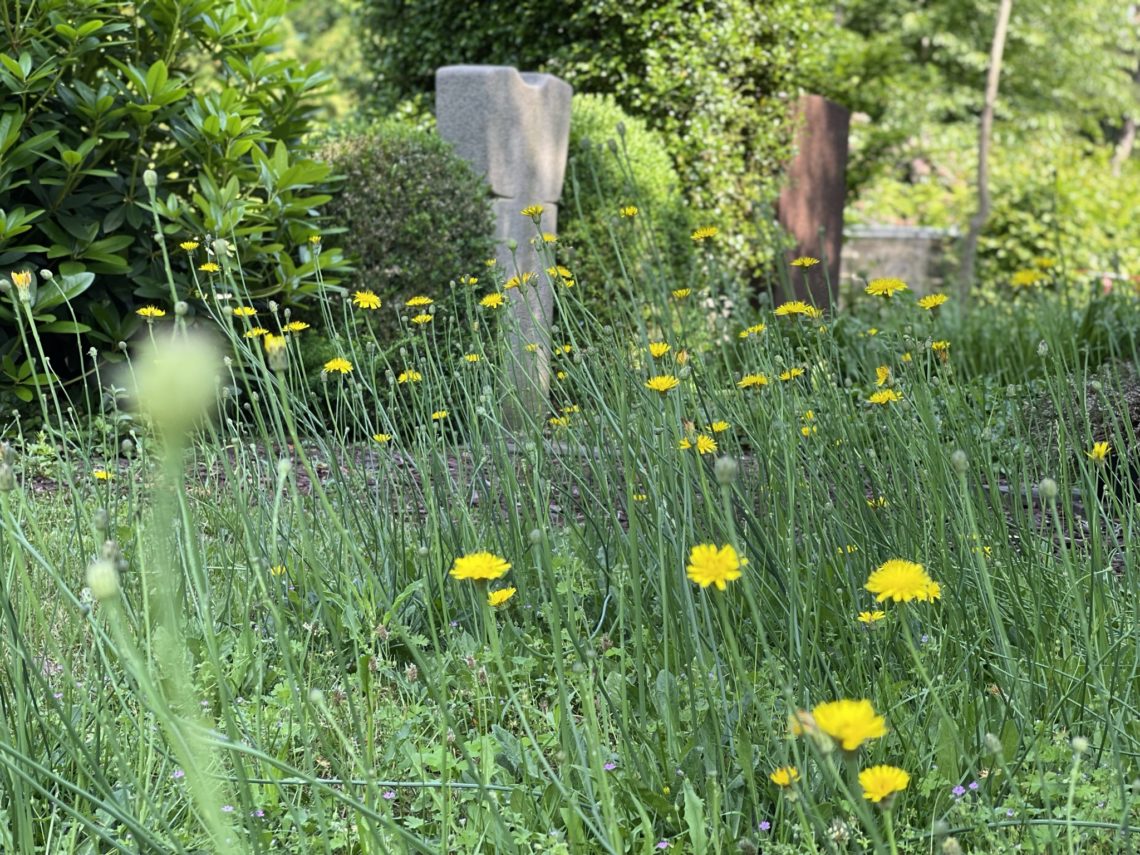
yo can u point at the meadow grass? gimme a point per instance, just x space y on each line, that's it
240 633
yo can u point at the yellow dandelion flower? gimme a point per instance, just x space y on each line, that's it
880 502
532 211
209 267
439 415
882 375
1100 452
628 211
906 357
809 430
798 307
531 347
493 301
1026 278
490 262
295 327
899 580
409 375
479 566
102 475
549 237
791 374
256 332
657 349
273 343
382 438
704 233
150 312
719 426
559 270
338 364
881 782
755 329
244 311
705 444
885 396
419 300
365 300
561 375
422 318
752 381
471 357
559 421
314 239
500 597
785 776
804 261
681 293
850 723
711 566
189 245
277 569
871 617
468 279
885 287
932 301
684 444
640 497
662 383
940 347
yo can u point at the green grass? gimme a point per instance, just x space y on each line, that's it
280 661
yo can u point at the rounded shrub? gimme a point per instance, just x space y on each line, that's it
616 161
414 214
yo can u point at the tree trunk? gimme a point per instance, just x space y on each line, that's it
997 49
1124 145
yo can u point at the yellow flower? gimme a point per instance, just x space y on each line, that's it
468 279
871 617
850 723
1026 278
791 374
559 270
885 287
273 343
490 262
314 239
797 307
885 396
906 357
1100 452
882 375
755 329
684 444
561 375
711 566
409 375
244 311
339 364
570 409
382 437
209 267
809 415
681 293
277 569
804 261
657 349
549 237
151 312
22 279
102 475
880 782
902 581
255 332
873 331
531 347
785 776
499 597
662 383
640 497
704 233
1044 261
515 281
479 565
559 421
295 326
880 502
705 444
366 300
471 357
564 348
422 318
439 415
532 211
492 301
419 301
189 245
719 426
940 346
809 430
932 301
752 381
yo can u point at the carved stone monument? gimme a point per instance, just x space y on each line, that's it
811 203
515 130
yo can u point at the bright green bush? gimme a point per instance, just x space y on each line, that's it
617 160
414 214
715 79
93 94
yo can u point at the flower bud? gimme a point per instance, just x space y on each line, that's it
1080 745
959 461
1047 489
103 579
726 469
150 178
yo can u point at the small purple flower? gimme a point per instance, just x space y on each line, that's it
227 808
389 794
1009 812
259 813
973 785
610 766
925 638
454 624
178 773
662 844
765 825
958 791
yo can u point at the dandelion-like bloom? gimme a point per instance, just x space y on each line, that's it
871 617
752 381
902 581
662 383
244 311
439 415
628 211
532 211
422 318
808 430
409 375
188 245
549 237
657 349
365 300
880 782
515 281
791 374
150 312
102 475
885 287
704 233
885 396
882 375
711 566
382 438
785 776
1026 278
419 300
1100 452
468 279
559 421
471 357
256 332
850 723
797 307
531 347
719 426
932 301
277 569
479 565
273 343
755 329
804 261
338 364
500 597
681 293
492 301
559 270
209 267
940 347
314 239
705 444
295 327
684 443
